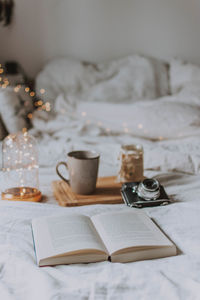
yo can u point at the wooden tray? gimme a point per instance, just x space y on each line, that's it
107 192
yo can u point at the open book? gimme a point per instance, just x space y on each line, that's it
117 236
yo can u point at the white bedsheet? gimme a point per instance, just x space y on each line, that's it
175 162
168 278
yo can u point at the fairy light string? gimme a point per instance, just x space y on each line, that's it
38 103
20 156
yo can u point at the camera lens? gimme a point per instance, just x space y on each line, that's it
150 184
148 189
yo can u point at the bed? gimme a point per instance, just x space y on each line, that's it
161 112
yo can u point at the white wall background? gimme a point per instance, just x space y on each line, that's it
96 30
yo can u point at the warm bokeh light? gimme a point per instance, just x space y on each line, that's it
24 130
30 116
27 89
48 106
40 102
32 94
42 91
16 89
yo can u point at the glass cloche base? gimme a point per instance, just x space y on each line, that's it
22 194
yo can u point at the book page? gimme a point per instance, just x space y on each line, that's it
120 230
66 233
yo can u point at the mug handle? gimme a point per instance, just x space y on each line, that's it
59 174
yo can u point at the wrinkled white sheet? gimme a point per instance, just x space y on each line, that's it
168 278
174 159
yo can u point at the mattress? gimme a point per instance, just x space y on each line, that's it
168 128
175 162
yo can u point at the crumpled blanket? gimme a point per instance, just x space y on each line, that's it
128 79
101 106
168 128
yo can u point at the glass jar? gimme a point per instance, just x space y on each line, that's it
131 163
20 168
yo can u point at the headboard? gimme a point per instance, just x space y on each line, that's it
95 30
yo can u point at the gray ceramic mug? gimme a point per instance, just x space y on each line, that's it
83 170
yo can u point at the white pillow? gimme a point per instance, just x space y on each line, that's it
11 110
59 76
181 74
128 79
161 119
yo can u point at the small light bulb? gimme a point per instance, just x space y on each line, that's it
40 102
42 91
16 89
30 116
24 130
32 94
27 89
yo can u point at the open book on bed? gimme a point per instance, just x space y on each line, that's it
116 236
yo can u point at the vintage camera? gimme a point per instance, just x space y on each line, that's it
146 193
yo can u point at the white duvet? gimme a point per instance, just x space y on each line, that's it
169 130
168 278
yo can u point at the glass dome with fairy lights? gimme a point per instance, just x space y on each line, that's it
20 168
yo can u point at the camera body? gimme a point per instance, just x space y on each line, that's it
146 193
